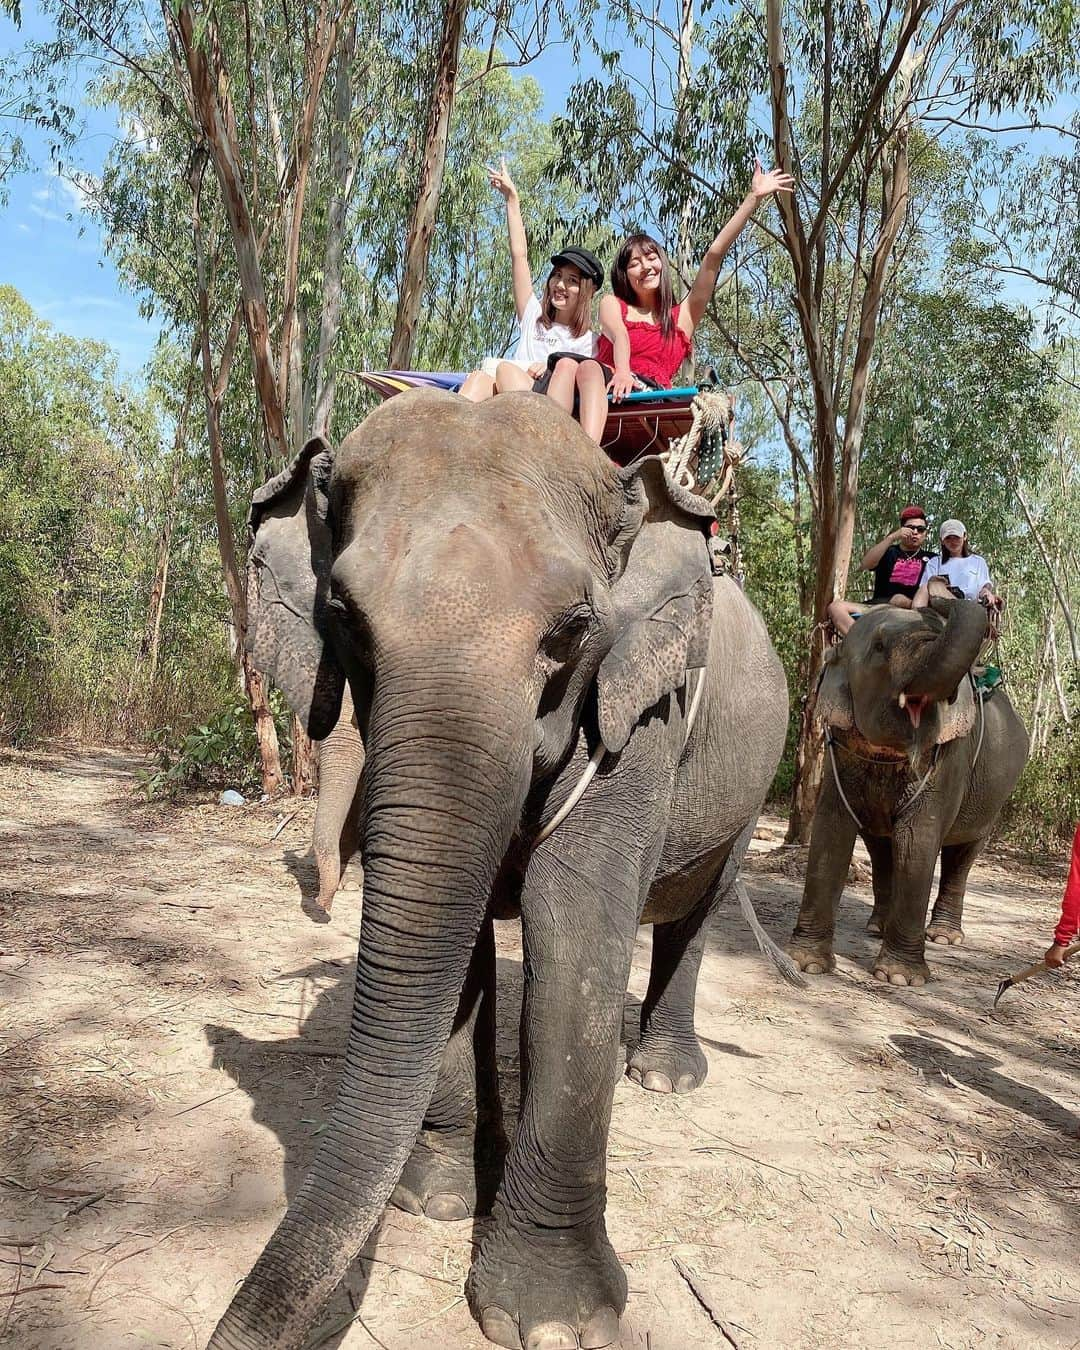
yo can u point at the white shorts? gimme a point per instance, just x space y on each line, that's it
490 364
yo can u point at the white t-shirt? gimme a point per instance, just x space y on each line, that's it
968 574
537 343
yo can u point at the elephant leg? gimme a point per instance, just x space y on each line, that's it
902 959
832 841
668 1057
455 1167
546 1274
948 915
881 862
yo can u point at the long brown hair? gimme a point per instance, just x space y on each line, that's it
620 280
580 320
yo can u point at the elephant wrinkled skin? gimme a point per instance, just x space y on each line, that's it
899 702
505 604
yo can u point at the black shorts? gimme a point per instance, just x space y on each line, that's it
540 386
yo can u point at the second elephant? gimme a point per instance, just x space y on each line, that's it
918 764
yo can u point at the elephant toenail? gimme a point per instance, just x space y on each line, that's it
634 1074
654 1081
881 975
917 981
498 1326
552 1336
409 1201
687 1083
814 968
446 1207
898 979
602 1329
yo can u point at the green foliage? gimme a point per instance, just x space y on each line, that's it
220 752
1043 811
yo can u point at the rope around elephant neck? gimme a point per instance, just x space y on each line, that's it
596 759
831 743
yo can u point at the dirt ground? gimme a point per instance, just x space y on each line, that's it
866 1166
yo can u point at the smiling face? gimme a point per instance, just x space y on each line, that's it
645 272
564 289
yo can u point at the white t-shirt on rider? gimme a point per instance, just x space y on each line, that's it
968 575
537 342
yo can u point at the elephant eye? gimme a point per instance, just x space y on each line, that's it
565 639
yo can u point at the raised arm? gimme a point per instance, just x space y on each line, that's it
519 245
611 321
762 185
874 555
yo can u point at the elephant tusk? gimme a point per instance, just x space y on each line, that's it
902 700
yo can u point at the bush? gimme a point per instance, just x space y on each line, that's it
1045 806
221 752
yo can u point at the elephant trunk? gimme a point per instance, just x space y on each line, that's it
443 794
942 663
341 762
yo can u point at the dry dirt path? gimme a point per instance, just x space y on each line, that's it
865 1167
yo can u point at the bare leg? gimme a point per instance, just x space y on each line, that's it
477 387
842 613
561 385
510 378
592 394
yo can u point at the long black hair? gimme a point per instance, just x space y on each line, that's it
620 280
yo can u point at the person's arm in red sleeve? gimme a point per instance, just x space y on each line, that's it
1069 923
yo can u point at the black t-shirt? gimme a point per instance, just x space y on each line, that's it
899 573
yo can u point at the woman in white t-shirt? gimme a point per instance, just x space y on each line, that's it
559 322
956 569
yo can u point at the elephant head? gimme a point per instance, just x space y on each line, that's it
898 677
484 578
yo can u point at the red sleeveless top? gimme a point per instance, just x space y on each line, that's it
651 354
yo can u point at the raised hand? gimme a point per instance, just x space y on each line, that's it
501 181
764 184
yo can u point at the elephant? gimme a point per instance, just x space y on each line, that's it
525 628
919 764
336 836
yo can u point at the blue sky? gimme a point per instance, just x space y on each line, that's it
52 253
55 256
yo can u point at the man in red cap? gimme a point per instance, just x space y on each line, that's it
1069 922
897 562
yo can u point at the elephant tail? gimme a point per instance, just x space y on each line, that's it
780 959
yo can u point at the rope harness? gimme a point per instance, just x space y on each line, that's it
597 758
905 806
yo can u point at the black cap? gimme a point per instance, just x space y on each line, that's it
586 263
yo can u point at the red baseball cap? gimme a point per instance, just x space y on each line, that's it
912 513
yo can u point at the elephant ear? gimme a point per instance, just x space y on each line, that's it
958 717
833 707
662 601
289 557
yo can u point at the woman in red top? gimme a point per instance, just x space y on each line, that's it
646 337
1069 923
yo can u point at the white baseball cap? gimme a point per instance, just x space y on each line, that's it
948 527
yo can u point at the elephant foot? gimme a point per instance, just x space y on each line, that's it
875 924
814 957
943 931
450 1176
664 1064
891 969
562 1289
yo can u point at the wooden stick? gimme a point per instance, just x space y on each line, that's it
1038 968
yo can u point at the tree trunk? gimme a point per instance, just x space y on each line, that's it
305 761
422 224
342 175
213 394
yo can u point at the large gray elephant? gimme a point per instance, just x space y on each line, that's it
517 618
919 765
336 834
